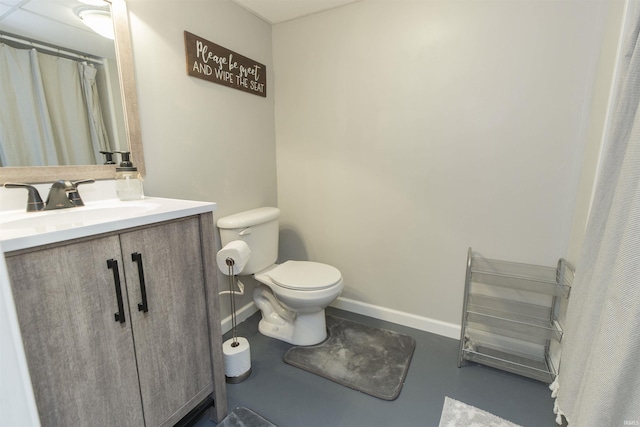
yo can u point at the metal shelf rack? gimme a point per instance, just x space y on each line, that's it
509 315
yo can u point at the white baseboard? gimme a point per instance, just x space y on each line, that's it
243 314
426 324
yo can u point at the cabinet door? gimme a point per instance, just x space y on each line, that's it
171 338
81 360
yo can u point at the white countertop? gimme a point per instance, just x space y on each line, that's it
21 230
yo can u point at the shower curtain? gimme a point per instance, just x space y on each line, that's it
46 111
599 378
23 101
99 137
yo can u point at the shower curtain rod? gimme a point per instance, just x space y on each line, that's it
53 49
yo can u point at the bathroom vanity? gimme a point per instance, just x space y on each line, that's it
117 304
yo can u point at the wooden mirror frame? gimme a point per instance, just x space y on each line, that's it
126 73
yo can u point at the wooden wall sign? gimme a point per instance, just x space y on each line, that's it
209 61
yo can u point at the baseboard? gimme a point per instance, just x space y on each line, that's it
243 314
426 324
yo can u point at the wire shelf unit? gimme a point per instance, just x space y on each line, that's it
509 317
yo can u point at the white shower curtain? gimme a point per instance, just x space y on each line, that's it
599 379
45 111
23 101
65 100
99 137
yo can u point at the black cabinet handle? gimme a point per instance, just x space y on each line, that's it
112 264
143 306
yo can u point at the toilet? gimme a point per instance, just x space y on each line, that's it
292 295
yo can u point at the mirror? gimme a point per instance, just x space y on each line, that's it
124 57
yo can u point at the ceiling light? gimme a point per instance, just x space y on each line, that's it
98 20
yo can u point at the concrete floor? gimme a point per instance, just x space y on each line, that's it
291 397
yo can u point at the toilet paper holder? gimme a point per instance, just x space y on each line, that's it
243 358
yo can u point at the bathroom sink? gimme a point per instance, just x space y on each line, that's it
21 230
66 218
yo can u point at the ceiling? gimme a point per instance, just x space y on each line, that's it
25 11
276 11
56 21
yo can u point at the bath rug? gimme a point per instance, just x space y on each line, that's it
243 417
371 360
458 414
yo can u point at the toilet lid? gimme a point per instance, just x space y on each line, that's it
305 275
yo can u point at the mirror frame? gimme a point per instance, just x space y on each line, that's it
126 73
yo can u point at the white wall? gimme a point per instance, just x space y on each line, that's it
408 131
203 141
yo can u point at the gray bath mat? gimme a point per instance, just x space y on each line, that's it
372 360
243 417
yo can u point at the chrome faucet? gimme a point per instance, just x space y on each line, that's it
63 194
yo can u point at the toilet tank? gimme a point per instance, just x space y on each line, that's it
258 228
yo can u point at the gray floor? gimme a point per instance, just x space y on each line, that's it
291 397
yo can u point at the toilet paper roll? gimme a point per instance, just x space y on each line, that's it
237 250
237 360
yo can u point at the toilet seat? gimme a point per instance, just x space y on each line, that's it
305 275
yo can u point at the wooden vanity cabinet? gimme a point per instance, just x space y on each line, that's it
121 329
81 362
